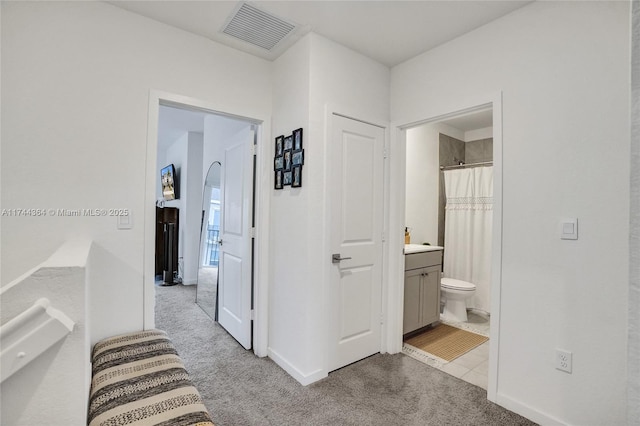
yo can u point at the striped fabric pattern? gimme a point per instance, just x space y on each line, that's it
139 379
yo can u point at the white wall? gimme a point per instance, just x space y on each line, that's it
306 81
186 156
76 80
193 209
423 180
422 186
177 154
633 350
289 316
563 70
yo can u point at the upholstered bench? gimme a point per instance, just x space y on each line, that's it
138 379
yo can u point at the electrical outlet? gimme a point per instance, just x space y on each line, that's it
564 360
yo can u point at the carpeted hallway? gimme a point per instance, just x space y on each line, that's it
240 389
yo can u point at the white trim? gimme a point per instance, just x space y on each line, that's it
526 411
349 117
304 379
496 256
397 214
263 185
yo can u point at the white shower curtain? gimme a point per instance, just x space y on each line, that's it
467 231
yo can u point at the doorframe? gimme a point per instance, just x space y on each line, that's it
261 206
397 199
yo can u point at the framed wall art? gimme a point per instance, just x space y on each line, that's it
288 160
286 178
297 158
278 180
297 139
279 146
278 163
296 178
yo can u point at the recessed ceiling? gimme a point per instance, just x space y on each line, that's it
388 31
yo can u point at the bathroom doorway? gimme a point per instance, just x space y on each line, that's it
463 140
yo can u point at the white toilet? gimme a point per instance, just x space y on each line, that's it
455 294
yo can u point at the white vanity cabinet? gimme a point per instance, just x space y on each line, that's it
421 289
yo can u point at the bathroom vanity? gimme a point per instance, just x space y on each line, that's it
422 266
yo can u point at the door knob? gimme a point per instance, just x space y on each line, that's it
220 242
335 258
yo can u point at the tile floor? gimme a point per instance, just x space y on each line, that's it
472 367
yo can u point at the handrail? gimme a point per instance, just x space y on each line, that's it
29 334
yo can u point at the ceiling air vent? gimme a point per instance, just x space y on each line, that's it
257 27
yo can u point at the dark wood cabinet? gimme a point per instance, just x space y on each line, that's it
164 217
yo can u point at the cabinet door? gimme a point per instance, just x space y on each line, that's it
412 300
430 295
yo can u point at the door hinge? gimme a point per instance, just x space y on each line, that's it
384 237
253 315
254 149
252 232
381 318
385 153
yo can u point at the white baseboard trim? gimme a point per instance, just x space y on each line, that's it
304 379
526 411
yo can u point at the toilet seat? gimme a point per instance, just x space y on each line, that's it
459 285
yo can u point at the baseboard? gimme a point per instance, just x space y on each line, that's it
304 379
526 411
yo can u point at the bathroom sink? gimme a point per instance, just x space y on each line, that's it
419 248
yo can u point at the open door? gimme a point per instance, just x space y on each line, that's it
235 262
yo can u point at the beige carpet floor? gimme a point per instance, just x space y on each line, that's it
240 389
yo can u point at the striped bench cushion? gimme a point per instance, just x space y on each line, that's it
138 379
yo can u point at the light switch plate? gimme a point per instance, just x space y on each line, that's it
125 222
569 229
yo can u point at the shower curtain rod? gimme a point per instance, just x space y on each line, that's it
462 166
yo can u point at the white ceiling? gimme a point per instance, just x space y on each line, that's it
389 31
472 121
174 122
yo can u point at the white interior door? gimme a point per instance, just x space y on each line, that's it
356 238
236 193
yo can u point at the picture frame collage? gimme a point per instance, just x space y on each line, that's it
288 160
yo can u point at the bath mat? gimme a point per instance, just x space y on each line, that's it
446 342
